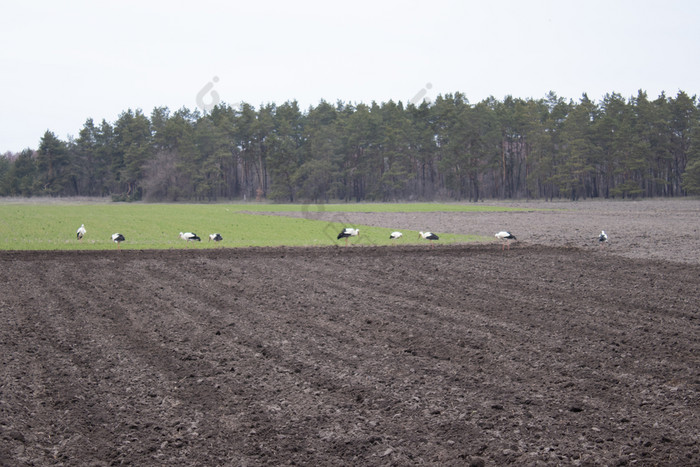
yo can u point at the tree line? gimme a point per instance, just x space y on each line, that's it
448 149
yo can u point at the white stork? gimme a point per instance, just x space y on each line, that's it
395 235
118 239
348 232
190 237
81 232
216 237
428 236
603 238
506 237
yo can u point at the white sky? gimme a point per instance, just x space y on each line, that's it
62 62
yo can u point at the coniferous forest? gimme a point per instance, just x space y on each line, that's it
449 149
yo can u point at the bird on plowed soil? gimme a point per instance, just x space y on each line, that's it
428 236
506 237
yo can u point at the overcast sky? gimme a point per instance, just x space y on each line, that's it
62 62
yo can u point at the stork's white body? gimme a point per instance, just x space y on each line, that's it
190 237
602 238
216 237
506 237
395 235
118 239
428 236
348 232
80 233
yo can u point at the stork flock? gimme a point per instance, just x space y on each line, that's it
505 236
193 237
119 238
348 232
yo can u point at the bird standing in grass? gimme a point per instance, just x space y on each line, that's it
80 233
395 235
216 237
348 232
602 238
190 237
118 239
506 237
428 236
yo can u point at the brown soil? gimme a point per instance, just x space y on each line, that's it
349 356
665 229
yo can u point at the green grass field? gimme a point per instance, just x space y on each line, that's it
156 226
371 207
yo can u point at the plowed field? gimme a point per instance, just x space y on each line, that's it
404 355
